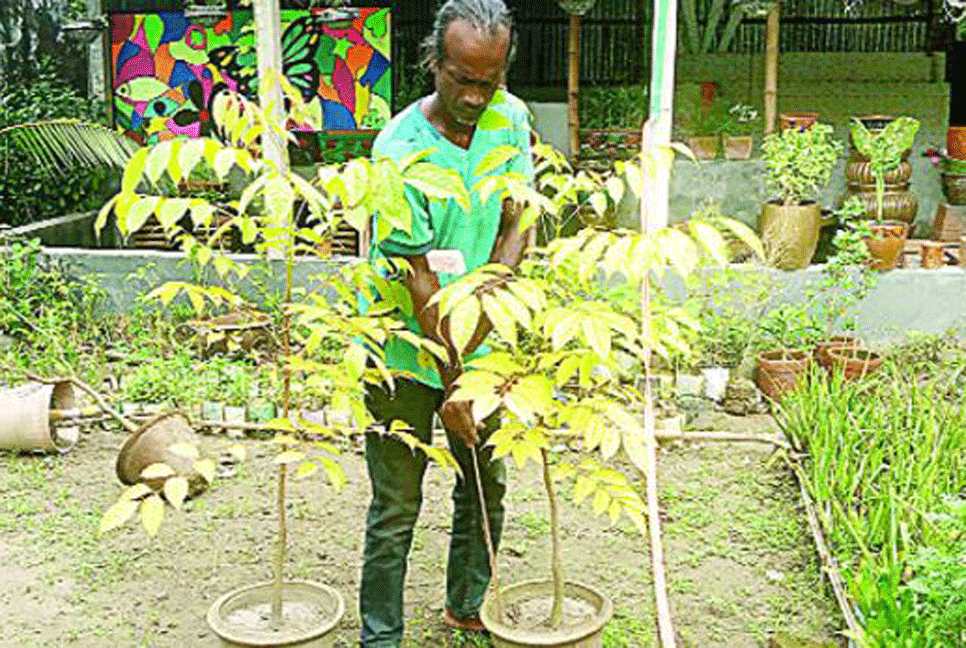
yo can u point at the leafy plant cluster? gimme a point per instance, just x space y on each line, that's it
26 193
885 149
885 466
798 163
622 107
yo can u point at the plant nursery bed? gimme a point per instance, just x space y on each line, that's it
740 561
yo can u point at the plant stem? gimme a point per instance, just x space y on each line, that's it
556 562
279 552
490 548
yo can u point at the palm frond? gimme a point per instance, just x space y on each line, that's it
62 144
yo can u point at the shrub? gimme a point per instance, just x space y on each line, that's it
798 163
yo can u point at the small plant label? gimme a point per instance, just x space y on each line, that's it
448 261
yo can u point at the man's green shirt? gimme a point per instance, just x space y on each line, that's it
439 225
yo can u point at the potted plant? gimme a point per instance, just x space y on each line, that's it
885 151
798 163
562 341
798 120
703 130
737 132
846 279
954 180
266 218
787 333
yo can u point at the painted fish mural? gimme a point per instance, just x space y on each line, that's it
166 71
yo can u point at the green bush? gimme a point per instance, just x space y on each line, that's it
618 107
799 163
27 193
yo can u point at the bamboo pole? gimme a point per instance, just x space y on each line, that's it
771 68
573 86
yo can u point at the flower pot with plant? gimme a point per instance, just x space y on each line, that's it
797 121
879 171
284 612
885 151
786 335
562 341
737 138
703 130
846 279
954 181
798 163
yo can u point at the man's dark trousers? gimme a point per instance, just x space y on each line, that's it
396 473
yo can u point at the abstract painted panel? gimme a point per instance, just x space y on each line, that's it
166 71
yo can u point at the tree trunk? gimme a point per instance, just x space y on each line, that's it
556 561
771 69
573 86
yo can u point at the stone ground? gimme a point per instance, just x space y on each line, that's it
740 560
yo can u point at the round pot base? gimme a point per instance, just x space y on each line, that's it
586 632
310 612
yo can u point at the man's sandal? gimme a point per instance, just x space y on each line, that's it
469 624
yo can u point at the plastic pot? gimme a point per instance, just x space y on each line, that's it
25 417
790 233
586 634
781 371
886 244
240 617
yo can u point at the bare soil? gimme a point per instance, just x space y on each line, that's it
740 561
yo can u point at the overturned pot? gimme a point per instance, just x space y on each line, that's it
590 611
25 413
310 611
151 444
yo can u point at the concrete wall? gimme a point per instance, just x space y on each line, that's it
928 301
75 230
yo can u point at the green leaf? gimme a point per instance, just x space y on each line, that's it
151 513
289 457
190 155
496 158
157 161
184 449
170 211
175 491
438 183
136 492
711 240
493 120
306 469
119 513
133 171
137 214
334 472
501 319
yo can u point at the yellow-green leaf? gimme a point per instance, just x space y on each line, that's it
306 469
119 513
289 457
496 158
184 449
157 471
206 468
151 513
136 492
175 491
463 321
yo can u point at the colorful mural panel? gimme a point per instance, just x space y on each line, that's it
166 71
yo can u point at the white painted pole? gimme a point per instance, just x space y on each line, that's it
268 45
654 216
96 60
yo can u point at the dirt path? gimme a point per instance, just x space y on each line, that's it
740 562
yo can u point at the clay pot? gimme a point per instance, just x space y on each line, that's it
704 148
790 233
151 444
859 171
898 203
956 142
25 416
853 364
781 371
739 147
887 243
949 223
954 188
836 342
798 121
932 255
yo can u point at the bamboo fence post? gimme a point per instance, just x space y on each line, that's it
771 68
573 85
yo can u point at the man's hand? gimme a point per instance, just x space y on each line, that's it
457 417
510 242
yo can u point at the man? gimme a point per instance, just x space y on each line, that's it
468 53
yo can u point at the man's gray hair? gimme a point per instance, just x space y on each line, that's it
485 15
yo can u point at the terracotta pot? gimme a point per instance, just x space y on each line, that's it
854 363
954 188
887 243
859 171
836 342
956 142
151 444
898 203
803 121
739 147
949 222
931 255
782 371
790 233
705 147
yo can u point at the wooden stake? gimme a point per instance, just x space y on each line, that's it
771 68
573 86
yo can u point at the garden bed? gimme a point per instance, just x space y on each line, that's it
740 561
